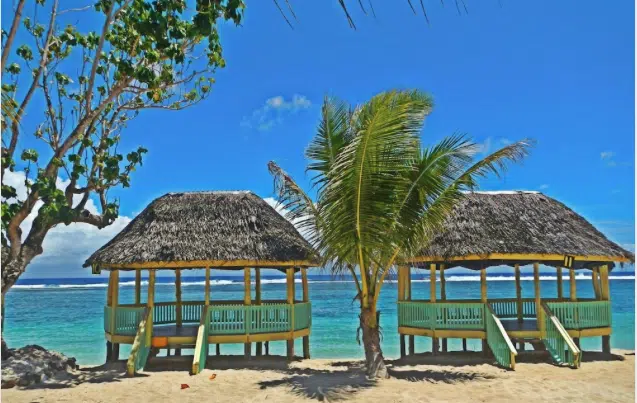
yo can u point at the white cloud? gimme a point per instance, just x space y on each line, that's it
607 155
489 145
66 247
273 112
544 186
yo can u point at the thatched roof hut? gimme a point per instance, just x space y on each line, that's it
512 227
206 229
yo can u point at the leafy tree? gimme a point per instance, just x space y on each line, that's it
84 87
380 194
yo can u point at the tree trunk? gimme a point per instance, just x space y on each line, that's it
374 360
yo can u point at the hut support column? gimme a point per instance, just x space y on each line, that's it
605 296
483 299
247 301
114 303
572 285
518 294
306 298
443 297
560 284
151 300
596 283
138 286
538 300
289 274
432 298
257 297
412 341
109 303
401 297
177 304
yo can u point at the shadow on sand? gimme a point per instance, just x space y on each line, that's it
328 382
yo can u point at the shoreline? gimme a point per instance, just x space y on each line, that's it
421 378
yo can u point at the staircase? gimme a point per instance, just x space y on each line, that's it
557 341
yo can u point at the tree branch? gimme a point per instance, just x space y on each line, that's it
12 32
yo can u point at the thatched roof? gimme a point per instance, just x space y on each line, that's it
229 229
522 223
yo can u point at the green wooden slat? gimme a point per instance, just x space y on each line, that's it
496 340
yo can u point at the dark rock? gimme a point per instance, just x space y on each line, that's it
34 364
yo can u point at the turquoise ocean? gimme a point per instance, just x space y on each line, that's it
67 314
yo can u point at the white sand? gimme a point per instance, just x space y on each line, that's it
455 379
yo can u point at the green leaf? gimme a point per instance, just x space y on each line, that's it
29 155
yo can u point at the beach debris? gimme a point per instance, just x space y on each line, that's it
34 364
212 377
184 386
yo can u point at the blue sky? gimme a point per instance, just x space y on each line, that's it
559 72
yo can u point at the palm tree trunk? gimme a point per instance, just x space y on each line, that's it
374 360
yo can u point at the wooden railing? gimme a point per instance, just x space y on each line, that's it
557 340
141 344
230 318
583 315
201 346
498 340
441 315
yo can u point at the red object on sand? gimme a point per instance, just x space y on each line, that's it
184 386
213 376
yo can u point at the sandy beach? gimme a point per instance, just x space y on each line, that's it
415 379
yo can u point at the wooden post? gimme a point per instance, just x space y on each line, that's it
573 285
483 299
257 297
596 282
207 287
289 274
114 303
604 285
109 303
518 294
538 300
432 298
178 297
247 301
560 289
401 297
138 286
151 300
483 286
412 341
443 297
218 349
306 298
605 296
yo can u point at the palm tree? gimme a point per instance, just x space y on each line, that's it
379 194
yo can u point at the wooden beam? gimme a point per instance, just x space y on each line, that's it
138 287
483 285
151 289
596 282
540 257
518 294
560 284
178 297
207 287
109 291
247 297
605 285
198 264
257 288
401 283
432 282
573 285
306 292
408 284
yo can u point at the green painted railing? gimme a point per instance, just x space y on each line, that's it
498 340
127 320
557 341
441 315
508 309
254 319
200 355
107 318
302 316
142 344
166 312
582 315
